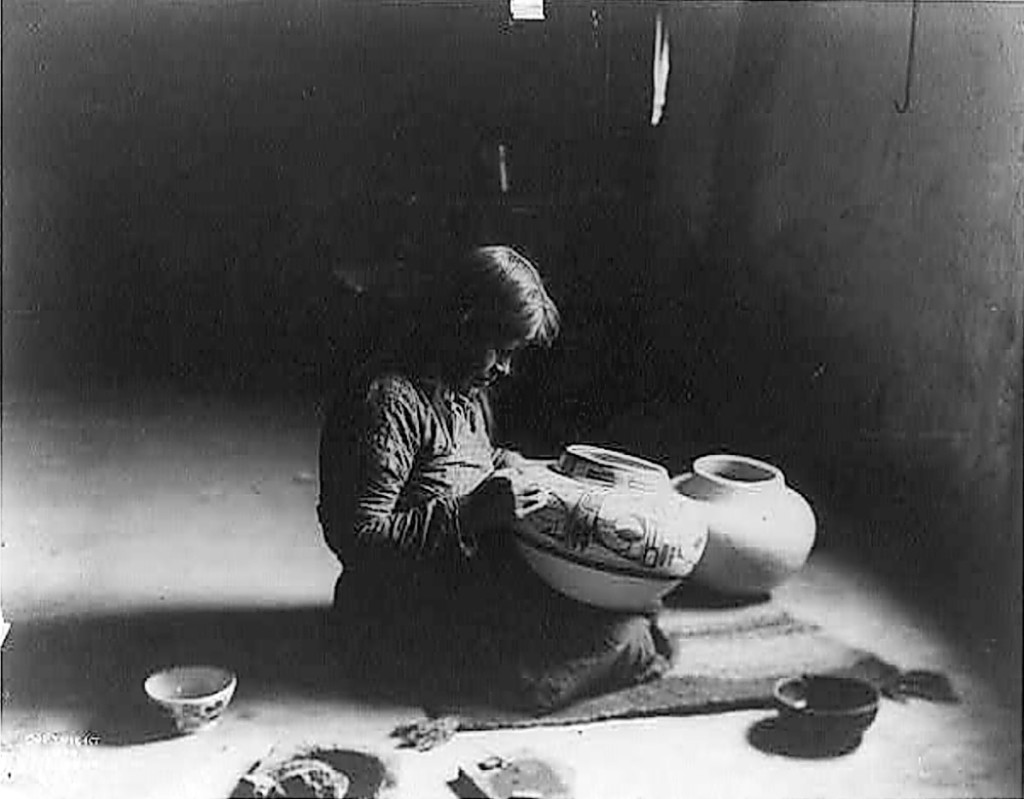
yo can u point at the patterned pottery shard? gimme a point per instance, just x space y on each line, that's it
524 775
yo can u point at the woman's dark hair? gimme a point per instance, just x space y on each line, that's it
496 293
486 296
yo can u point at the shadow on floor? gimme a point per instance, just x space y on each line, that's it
696 597
94 666
773 736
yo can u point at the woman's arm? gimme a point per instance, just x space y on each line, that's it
366 462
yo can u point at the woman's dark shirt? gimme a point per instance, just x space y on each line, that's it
395 457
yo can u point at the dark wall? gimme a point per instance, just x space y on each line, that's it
189 188
843 284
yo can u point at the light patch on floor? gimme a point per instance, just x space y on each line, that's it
144 528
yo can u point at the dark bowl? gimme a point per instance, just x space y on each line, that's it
834 711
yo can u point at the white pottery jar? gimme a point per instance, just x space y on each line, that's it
760 531
613 532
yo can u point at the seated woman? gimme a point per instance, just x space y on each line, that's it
416 503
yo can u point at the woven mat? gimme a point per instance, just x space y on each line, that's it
726 658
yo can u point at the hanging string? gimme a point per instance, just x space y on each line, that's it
902 108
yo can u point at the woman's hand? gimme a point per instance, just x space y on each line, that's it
501 500
510 459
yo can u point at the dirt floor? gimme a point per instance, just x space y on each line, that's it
150 528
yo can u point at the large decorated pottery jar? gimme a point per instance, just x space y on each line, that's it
760 531
613 533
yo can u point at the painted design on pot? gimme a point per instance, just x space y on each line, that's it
760 531
191 718
612 520
616 537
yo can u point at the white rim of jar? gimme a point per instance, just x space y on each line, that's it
626 470
710 466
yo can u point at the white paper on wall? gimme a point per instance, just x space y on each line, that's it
526 9
661 68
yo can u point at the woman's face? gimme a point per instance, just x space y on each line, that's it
491 363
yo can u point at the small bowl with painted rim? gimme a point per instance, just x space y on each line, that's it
193 697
